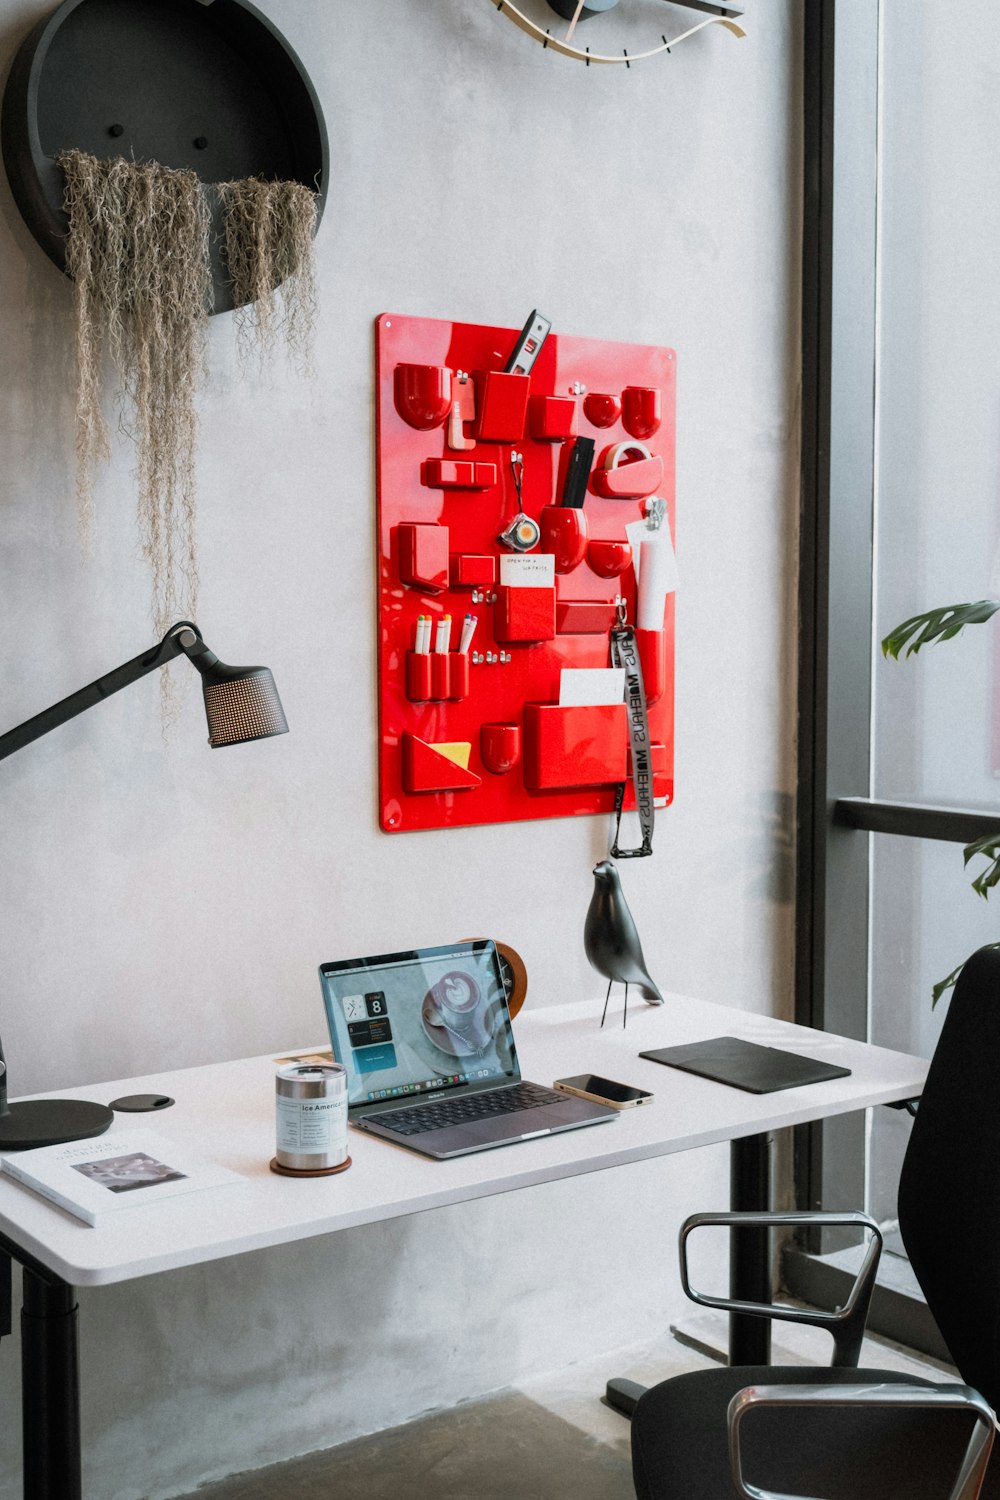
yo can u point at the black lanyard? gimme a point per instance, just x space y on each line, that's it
624 654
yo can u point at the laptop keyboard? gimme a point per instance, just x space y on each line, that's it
461 1111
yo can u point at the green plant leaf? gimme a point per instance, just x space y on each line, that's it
990 848
946 984
937 625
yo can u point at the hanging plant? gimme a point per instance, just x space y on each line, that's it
138 253
269 233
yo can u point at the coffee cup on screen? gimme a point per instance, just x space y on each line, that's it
456 1002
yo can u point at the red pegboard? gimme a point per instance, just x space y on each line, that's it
441 507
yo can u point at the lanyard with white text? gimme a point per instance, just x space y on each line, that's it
624 654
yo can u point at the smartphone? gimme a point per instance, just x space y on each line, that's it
603 1090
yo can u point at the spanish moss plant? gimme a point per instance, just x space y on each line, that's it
138 253
269 233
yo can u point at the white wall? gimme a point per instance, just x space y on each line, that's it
164 905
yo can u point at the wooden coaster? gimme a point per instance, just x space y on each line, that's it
308 1171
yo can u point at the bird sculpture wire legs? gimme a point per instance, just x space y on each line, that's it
608 997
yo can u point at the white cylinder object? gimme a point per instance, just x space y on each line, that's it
657 579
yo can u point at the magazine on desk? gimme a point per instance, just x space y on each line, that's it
95 1178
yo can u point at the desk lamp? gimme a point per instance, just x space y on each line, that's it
241 703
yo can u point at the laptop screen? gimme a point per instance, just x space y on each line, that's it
406 1024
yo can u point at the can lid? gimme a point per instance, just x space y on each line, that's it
311 1072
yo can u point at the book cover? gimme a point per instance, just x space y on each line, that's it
96 1178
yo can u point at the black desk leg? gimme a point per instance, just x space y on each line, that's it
749 1266
50 1389
6 1295
749 1252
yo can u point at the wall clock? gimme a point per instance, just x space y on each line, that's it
614 31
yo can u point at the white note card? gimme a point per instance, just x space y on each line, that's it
591 686
528 570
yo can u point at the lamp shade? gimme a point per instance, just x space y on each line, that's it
241 703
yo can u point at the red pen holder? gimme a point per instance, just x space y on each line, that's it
458 674
651 646
449 675
423 555
524 614
418 676
500 747
608 558
422 394
601 410
502 400
564 534
574 745
641 410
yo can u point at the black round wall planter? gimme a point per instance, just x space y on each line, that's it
205 84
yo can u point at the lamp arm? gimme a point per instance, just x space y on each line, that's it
174 643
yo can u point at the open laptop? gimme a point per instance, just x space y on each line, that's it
426 1039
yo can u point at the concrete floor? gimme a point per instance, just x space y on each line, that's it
552 1438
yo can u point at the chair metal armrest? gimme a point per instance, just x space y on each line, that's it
941 1397
846 1324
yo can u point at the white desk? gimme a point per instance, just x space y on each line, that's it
226 1112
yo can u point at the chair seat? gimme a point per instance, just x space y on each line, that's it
680 1448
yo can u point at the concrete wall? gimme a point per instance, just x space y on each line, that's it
164 906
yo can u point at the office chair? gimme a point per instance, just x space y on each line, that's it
844 1433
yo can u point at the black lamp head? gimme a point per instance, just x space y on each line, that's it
241 703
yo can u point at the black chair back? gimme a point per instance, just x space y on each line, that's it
949 1190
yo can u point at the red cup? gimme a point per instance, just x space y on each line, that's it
641 413
440 676
564 534
601 410
608 558
418 676
422 394
500 747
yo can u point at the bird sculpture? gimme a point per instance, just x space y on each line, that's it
610 939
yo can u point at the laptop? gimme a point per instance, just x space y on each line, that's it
426 1039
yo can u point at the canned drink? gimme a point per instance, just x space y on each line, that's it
311 1109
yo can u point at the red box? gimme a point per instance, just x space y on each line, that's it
457 474
552 419
651 648
524 614
471 570
574 746
426 770
584 617
502 401
423 555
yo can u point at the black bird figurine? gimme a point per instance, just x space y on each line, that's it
610 939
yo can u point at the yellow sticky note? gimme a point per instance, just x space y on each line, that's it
455 750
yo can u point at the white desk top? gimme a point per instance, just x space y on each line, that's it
225 1112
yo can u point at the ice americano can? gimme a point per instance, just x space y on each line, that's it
311 1107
